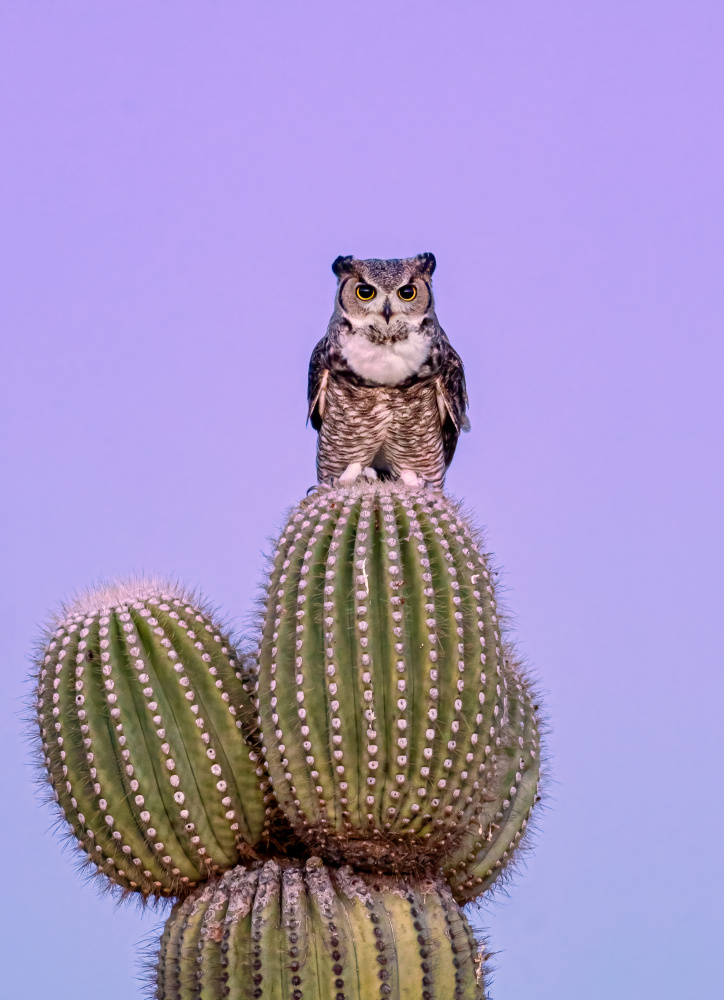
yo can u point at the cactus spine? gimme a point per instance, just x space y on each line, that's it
292 931
398 732
144 711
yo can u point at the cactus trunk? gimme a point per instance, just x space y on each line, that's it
288 932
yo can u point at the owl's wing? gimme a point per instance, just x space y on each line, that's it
452 399
317 383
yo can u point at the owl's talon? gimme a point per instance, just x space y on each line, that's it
352 472
369 473
410 478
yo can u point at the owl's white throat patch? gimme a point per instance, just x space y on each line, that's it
385 363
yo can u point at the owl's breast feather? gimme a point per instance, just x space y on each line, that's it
385 363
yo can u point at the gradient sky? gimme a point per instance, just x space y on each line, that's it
176 179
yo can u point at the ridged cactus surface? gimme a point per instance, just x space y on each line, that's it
293 932
144 711
398 731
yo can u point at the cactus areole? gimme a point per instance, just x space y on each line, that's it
147 727
306 932
399 733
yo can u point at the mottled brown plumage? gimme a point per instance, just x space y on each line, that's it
386 390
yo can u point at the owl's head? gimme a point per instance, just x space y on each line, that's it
380 292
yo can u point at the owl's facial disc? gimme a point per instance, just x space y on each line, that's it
384 302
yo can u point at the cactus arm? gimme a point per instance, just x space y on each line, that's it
144 727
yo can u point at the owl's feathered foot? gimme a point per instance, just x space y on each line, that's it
411 479
352 472
355 470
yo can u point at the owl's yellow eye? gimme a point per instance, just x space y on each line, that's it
365 292
407 292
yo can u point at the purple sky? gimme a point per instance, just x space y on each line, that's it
176 179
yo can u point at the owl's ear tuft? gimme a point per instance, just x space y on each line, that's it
342 265
426 263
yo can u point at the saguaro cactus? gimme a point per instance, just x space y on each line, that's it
312 933
398 731
147 726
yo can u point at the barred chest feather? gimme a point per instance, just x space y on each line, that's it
385 363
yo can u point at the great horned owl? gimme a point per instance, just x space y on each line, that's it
386 390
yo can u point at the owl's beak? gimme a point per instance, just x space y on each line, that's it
387 310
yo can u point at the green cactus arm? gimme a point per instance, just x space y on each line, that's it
148 730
